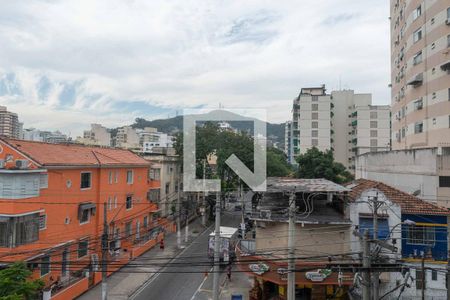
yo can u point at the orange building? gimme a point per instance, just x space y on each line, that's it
52 199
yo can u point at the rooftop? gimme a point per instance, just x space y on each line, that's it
47 154
303 185
408 203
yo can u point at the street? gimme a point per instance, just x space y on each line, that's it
177 284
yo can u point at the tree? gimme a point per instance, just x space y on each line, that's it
277 165
16 283
317 164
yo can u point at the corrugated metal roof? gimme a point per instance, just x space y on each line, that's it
303 185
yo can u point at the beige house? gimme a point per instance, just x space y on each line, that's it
420 67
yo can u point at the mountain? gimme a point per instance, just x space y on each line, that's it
275 132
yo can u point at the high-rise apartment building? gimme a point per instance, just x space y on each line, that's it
420 73
9 124
342 121
98 135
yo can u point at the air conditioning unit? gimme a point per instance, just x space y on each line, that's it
2 163
447 21
21 163
265 214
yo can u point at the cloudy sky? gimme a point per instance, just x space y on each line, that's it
66 64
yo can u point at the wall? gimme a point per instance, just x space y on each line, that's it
406 170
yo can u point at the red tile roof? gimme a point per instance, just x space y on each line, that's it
72 154
408 203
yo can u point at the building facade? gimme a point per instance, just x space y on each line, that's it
97 135
417 228
422 172
53 199
9 124
342 121
420 68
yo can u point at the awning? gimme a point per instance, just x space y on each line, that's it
446 67
86 206
417 80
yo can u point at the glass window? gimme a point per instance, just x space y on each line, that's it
115 201
85 180
434 275
315 142
420 283
116 176
417 59
145 223
85 216
314 116
373 133
373 114
367 223
83 248
167 188
315 98
417 35
130 177
418 127
373 143
315 133
444 181
421 235
110 204
42 222
128 229
373 124
129 202
417 12
418 104
315 124
315 107
45 265
110 177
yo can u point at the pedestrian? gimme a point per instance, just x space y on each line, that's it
161 244
229 272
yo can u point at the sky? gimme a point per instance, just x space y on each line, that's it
66 64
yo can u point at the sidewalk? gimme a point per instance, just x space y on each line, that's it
241 283
122 284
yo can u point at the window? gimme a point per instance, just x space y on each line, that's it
315 98
128 229
155 174
45 265
373 143
373 124
367 223
417 35
421 235
418 104
85 180
373 114
85 216
444 181
434 121
434 275
167 188
418 127
315 107
115 201
420 283
130 177
315 124
145 223
110 204
116 176
448 40
153 195
314 133
448 13
403 132
83 248
373 133
417 59
110 177
129 202
315 142
43 181
314 116
15 231
417 12
433 95
42 222
138 229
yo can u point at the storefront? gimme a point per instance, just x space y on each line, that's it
313 280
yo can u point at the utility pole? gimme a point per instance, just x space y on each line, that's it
216 267
376 275
366 266
291 246
179 212
423 277
186 228
204 194
104 253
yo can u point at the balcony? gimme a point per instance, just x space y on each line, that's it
354 123
416 81
22 183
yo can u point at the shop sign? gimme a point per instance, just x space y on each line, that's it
259 268
319 275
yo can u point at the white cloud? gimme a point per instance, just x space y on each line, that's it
187 53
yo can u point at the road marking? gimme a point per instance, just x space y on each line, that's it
201 284
153 278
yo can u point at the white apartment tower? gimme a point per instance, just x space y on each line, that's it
420 73
342 121
98 135
9 124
